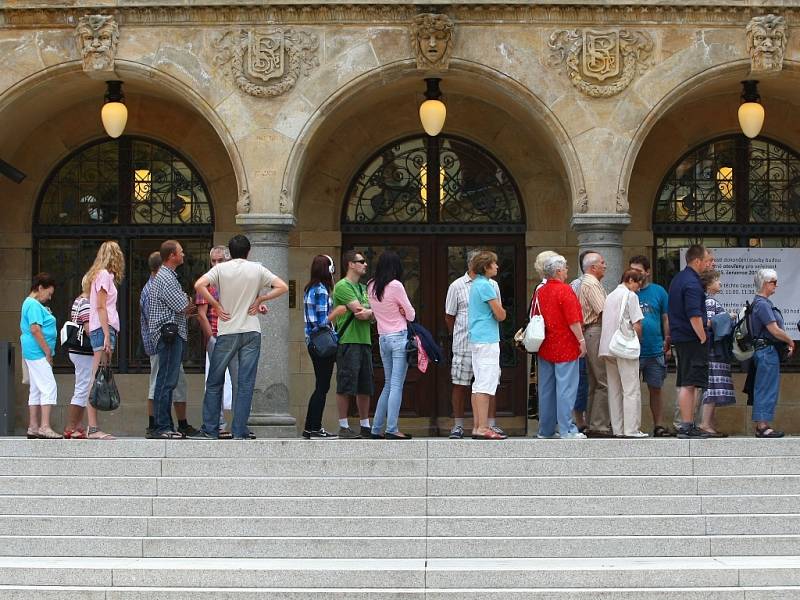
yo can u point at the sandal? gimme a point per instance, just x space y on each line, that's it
225 435
660 431
95 434
489 435
713 434
78 434
168 435
33 434
768 432
396 435
49 434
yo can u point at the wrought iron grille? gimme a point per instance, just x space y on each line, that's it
432 181
125 181
139 193
730 192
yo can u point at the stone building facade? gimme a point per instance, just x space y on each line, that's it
283 112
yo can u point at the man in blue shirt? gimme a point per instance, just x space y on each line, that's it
686 325
653 301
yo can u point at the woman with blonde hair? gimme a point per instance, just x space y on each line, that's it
102 279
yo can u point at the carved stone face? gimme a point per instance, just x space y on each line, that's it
432 36
766 42
97 37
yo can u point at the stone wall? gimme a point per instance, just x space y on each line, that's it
587 140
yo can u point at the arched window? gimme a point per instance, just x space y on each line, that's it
394 192
730 192
139 193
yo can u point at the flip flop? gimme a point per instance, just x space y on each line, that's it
714 434
769 432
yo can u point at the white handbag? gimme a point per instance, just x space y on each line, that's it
534 332
624 344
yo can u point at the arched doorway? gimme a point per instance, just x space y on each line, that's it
728 192
135 191
433 200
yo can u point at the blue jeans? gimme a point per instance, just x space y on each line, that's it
395 366
582 397
767 384
169 369
246 348
558 384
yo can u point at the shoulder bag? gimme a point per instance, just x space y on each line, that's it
624 344
75 339
534 332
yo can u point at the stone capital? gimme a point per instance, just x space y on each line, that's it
600 222
256 223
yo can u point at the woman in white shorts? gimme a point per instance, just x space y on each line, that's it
484 315
38 340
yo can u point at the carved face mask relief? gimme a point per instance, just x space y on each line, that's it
97 37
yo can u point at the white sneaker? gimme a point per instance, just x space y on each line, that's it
574 435
555 436
637 434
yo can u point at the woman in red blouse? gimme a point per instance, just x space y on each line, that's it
559 353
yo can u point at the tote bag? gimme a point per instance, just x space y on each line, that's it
534 332
624 344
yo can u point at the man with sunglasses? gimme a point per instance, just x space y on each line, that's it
354 356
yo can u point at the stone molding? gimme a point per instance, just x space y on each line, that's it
591 56
601 223
607 13
267 63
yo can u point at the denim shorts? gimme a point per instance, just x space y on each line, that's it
96 338
653 370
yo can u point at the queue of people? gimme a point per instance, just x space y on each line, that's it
596 349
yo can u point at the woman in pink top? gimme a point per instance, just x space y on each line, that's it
392 310
103 277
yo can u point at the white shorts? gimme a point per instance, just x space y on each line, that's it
44 390
486 365
83 378
178 394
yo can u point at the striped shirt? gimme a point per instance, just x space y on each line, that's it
165 304
317 303
593 298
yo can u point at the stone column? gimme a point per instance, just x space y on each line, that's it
270 417
603 232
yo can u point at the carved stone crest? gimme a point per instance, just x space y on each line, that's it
267 63
432 40
97 37
601 63
766 43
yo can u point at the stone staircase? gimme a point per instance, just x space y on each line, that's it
435 519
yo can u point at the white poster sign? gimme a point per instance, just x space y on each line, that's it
739 265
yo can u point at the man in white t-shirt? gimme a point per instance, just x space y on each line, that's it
239 283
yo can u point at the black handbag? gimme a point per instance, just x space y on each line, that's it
104 395
169 331
75 339
323 342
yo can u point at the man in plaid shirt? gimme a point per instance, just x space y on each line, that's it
167 303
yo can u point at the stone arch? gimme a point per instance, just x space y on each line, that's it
729 73
74 87
514 92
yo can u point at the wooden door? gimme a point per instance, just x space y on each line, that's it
430 264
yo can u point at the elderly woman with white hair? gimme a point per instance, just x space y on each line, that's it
767 328
558 355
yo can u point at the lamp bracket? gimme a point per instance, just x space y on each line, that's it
114 91
750 91
432 91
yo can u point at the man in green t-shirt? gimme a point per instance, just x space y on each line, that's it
354 357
